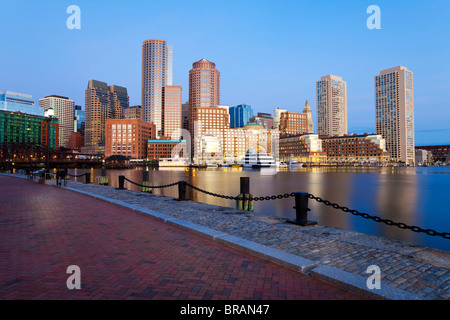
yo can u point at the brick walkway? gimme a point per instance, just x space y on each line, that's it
125 255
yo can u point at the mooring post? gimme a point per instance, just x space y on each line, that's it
301 210
182 191
87 177
121 183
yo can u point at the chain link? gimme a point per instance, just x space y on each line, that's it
389 222
156 187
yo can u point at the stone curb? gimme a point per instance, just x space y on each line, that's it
342 279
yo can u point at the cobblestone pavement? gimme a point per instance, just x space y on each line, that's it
418 270
126 255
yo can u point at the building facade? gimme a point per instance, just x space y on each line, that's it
102 102
63 109
307 110
304 148
276 117
158 149
331 97
128 137
240 115
394 112
21 135
438 153
356 148
171 112
132 112
204 88
79 120
157 68
264 119
19 102
293 123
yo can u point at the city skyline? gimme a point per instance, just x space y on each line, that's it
243 58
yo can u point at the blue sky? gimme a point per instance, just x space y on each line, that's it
269 53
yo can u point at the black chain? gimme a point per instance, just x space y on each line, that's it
389 222
156 187
280 196
76 176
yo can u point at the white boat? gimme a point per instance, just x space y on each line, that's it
295 163
172 162
255 159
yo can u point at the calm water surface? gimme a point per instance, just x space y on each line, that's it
416 196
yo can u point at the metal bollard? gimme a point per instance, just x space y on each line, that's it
182 191
87 177
121 183
301 210
145 175
245 204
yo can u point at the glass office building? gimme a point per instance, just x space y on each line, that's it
19 128
19 102
240 115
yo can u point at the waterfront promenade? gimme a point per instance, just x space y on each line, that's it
336 256
126 255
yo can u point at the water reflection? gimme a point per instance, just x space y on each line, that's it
414 196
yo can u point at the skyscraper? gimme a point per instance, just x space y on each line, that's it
61 108
204 88
307 110
394 112
119 100
171 112
102 102
331 106
240 115
157 70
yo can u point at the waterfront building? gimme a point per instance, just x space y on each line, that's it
21 135
128 137
394 112
165 148
157 69
304 148
423 156
264 119
356 148
204 88
293 123
276 117
171 112
209 121
63 109
308 112
439 153
237 141
19 102
76 141
331 97
102 102
132 112
240 115
79 120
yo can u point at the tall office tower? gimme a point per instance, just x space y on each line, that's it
331 106
307 110
240 115
394 112
156 73
62 108
204 88
276 117
19 102
98 108
119 100
185 115
79 120
171 112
